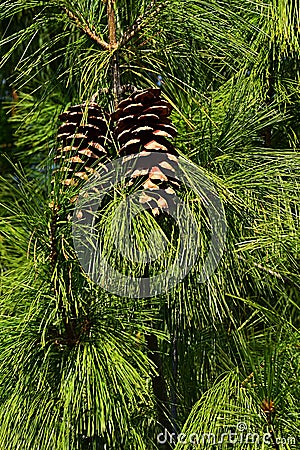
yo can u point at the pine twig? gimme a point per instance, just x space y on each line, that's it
250 376
277 275
273 437
113 46
53 248
264 269
139 23
86 29
111 25
159 385
175 379
269 410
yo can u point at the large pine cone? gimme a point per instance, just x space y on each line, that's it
84 136
143 127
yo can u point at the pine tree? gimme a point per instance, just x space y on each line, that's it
218 84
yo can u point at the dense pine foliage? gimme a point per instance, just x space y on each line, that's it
81 368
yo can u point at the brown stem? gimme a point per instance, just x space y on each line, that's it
273 437
69 324
250 376
53 249
15 98
159 384
271 431
264 269
86 29
283 278
113 45
53 246
111 24
115 70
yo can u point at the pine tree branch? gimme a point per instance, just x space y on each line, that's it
113 45
269 416
140 22
273 437
250 376
264 269
159 385
111 25
86 29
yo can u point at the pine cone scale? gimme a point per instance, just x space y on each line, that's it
84 135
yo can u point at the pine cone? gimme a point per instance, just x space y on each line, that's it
143 127
84 136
